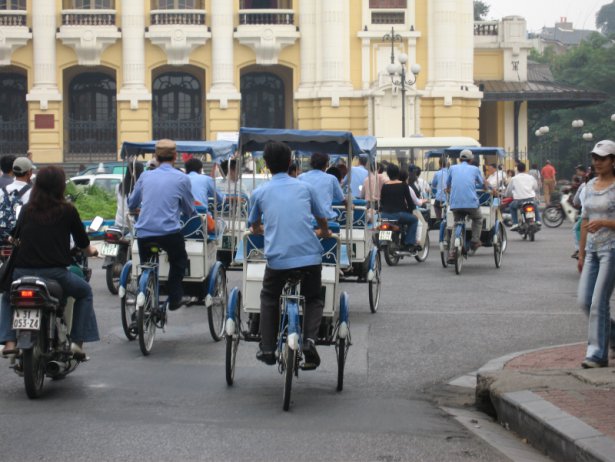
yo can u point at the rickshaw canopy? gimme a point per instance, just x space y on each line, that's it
219 150
454 151
331 142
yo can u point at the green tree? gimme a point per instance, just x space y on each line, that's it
481 10
605 19
590 66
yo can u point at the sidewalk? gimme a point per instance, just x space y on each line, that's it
545 397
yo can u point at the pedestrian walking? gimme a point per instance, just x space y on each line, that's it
548 180
597 256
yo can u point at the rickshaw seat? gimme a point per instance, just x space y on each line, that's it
192 228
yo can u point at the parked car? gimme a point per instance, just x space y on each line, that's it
105 181
106 167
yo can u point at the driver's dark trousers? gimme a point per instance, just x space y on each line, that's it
477 220
273 283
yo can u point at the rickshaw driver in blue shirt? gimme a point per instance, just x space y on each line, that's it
287 208
357 177
462 181
162 195
326 186
203 186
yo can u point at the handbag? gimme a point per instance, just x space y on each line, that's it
6 271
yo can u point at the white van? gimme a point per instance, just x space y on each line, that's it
413 150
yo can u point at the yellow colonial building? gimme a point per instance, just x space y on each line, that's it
79 77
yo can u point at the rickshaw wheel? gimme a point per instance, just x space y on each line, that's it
444 252
232 341
128 305
458 261
422 256
341 351
215 312
374 285
498 249
146 322
290 359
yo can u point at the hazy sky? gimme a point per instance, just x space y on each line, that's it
539 13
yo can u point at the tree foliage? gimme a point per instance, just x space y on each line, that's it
590 66
481 10
605 19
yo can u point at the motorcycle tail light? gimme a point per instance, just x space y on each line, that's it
26 293
529 209
112 237
385 226
6 251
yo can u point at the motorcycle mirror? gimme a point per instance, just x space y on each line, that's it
95 225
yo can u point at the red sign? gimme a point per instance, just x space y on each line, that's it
44 121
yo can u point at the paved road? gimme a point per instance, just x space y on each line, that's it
432 326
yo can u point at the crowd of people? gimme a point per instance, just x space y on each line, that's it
287 210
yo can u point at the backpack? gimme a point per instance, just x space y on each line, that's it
11 202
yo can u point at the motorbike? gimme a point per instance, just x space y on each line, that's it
42 319
391 235
555 213
527 220
115 249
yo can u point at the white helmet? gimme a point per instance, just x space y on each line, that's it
466 154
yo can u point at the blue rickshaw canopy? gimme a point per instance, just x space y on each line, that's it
219 150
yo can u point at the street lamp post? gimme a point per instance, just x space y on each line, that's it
399 69
540 133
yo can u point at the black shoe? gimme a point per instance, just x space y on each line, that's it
185 301
268 357
452 256
311 359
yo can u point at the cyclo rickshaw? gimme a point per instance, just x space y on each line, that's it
456 234
205 280
245 302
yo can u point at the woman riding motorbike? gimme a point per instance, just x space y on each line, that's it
44 228
397 203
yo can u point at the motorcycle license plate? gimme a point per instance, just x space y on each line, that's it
530 215
26 319
385 235
109 250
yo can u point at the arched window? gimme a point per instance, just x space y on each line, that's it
262 100
177 106
92 114
13 114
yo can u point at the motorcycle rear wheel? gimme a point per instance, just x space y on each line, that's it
112 275
553 216
34 367
389 254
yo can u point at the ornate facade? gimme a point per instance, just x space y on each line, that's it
82 76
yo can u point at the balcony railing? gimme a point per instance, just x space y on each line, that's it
185 129
88 17
173 17
388 17
486 28
13 18
263 17
92 136
14 135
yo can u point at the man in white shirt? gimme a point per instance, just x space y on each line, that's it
522 187
495 178
21 187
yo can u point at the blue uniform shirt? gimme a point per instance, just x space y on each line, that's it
327 188
439 184
463 179
203 186
288 206
162 194
358 175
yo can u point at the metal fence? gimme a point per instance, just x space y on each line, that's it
187 129
91 139
14 136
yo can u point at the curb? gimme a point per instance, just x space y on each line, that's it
545 426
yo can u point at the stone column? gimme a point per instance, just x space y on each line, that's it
133 54
443 46
223 64
335 51
308 45
45 87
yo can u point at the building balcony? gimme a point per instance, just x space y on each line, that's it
177 17
258 17
178 32
89 33
267 32
14 33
